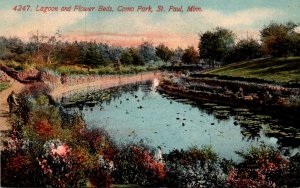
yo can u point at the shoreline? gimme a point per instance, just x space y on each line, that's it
104 82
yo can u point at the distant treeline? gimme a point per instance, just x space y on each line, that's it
52 49
220 44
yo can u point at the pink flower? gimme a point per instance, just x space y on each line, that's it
61 150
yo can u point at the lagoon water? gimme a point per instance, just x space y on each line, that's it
139 113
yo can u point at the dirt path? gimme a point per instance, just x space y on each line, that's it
104 83
4 110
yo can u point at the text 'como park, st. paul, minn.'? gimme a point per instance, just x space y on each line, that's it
101 8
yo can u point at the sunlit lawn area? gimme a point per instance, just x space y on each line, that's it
80 69
276 69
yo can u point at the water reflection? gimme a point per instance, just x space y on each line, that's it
137 112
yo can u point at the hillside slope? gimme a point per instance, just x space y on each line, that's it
275 69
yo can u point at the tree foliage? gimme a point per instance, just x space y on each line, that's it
280 40
216 45
190 56
163 52
246 49
147 52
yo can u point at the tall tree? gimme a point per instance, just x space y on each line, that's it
11 48
136 59
126 58
46 45
247 49
296 44
89 54
177 56
190 56
115 53
147 52
216 45
163 52
93 57
69 53
278 39
3 47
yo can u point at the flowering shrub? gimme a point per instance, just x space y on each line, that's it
18 166
262 167
61 168
100 174
194 168
103 149
19 170
147 160
99 141
59 156
36 89
136 165
44 129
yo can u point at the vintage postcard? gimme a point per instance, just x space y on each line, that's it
150 93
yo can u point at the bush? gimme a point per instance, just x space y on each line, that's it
105 70
60 157
194 168
69 70
19 169
261 167
136 165
36 89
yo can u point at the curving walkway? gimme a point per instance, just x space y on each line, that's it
4 109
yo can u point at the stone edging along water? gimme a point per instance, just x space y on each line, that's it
247 91
103 82
235 93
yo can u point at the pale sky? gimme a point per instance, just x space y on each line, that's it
243 17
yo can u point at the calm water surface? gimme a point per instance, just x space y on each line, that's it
139 113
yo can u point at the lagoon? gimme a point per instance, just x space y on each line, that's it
139 113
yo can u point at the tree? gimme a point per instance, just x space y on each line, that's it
126 58
3 48
278 40
46 45
163 52
177 56
190 56
115 53
93 57
104 50
216 45
13 49
247 49
296 44
89 54
69 53
136 59
147 52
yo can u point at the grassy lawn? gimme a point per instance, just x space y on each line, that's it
276 69
78 69
100 70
